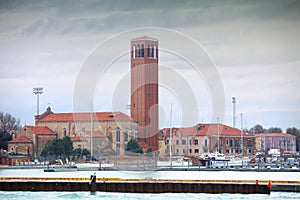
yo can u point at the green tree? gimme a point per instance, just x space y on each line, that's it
80 152
58 148
134 147
5 137
296 132
274 130
257 129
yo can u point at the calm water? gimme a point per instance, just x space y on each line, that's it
150 174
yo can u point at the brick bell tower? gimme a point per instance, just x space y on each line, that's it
144 89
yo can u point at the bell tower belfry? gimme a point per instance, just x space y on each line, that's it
144 89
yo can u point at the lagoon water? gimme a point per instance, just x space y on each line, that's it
192 175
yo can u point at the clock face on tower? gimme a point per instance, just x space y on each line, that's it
144 89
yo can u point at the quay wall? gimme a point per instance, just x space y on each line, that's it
134 187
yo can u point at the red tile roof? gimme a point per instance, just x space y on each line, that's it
274 135
207 129
96 116
21 139
143 38
77 139
41 130
95 134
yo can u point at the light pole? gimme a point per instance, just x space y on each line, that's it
233 101
37 91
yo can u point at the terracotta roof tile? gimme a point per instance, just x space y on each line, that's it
96 116
21 139
206 129
77 139
41 130
95 134
274 135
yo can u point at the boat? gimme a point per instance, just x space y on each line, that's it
93 165
179 161
220 160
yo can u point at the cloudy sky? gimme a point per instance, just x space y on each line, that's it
254 47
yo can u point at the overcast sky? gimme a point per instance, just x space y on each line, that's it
254 45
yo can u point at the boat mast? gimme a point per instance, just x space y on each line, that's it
91 117
170 142
218 136
242 145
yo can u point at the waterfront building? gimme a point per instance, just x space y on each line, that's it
144 90
207 138
284 142
31 140
109 129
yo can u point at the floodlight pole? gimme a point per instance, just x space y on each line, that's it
234 102
37 91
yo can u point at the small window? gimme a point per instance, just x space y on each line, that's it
154 52
183 142
196 150
196 142
190 150
177 142
200 127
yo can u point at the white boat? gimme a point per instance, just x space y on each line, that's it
90 165
179 162
220 160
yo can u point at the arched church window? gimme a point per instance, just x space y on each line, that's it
65 132
138 51
148 51
142 51
133 51
154 52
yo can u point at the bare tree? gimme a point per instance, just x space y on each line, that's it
8 122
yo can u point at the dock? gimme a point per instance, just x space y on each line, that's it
94 184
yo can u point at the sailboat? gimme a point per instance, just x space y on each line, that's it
93 163
178 161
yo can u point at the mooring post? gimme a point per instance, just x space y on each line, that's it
93 183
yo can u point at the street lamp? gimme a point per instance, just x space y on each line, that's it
37 91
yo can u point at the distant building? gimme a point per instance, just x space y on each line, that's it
205 138
30 140
282 141
109 129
